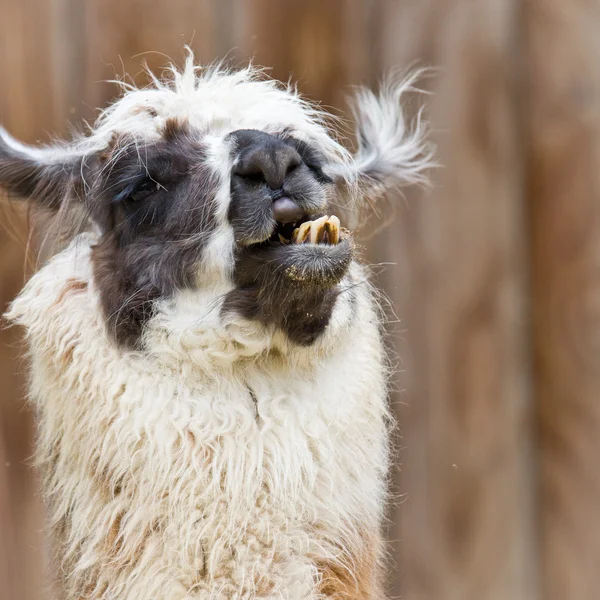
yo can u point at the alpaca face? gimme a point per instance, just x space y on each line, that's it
222 181
171 219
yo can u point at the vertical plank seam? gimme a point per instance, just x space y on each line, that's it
521 63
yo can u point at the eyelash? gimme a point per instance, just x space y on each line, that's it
138 192
144 190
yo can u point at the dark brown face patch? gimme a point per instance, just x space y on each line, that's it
154 203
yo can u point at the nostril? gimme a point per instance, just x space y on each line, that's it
249 172
254 176
285 210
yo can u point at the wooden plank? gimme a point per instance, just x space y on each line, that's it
22 552
6 538
38 45
26 70
323 46
123 35
465 528
564 199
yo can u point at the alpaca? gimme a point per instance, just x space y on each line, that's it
206 355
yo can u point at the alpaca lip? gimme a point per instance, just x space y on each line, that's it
319 265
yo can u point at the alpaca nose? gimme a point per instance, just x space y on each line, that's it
265 158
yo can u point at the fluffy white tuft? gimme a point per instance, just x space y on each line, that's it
50 154
391 150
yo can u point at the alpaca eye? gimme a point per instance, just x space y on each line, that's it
144 190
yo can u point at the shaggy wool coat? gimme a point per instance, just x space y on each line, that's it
259 475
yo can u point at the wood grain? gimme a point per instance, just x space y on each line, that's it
564 194
32 106
323 46
123 36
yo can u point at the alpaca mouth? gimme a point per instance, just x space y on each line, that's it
325 230
306 252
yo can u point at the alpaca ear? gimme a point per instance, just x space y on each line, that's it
392 152
45 176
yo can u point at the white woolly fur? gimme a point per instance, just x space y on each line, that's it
166 478
222 461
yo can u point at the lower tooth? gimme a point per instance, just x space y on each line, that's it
282 239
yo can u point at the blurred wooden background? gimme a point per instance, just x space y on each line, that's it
494 274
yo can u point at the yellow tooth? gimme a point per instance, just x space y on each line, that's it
316 230
282 239
333 229
303 232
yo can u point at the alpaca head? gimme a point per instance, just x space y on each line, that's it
220 179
